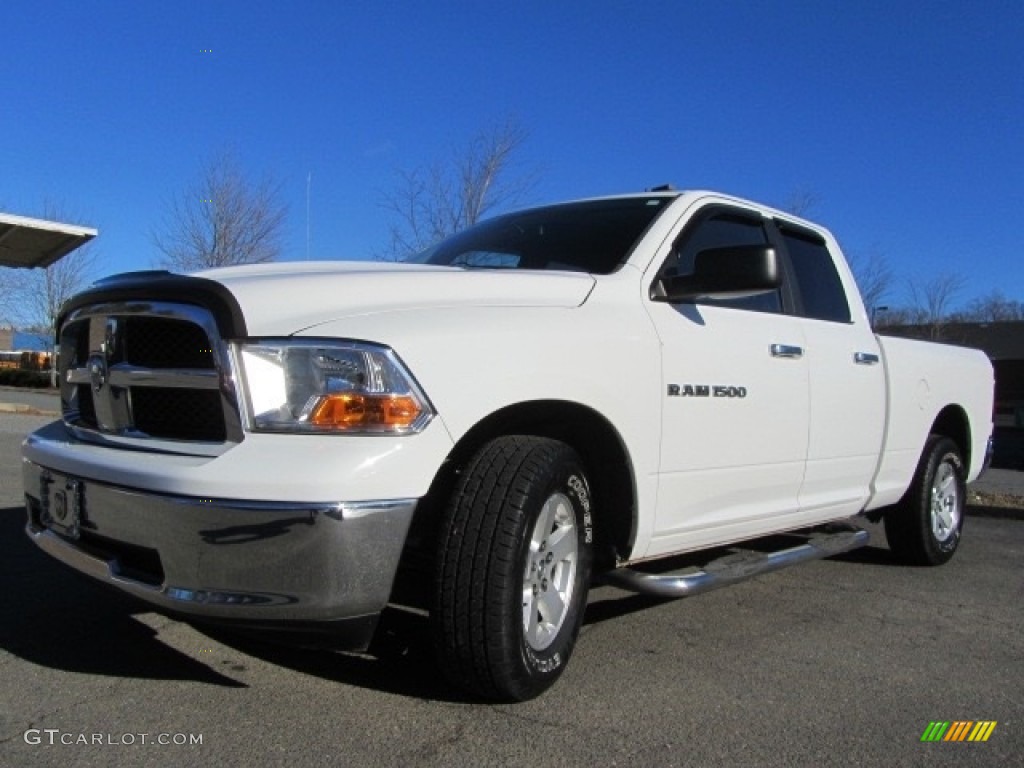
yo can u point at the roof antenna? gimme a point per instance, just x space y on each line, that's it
309 181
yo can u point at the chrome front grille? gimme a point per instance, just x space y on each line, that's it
148 371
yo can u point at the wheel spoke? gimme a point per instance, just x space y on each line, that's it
562 543
563 574
551 608
529 612
545 521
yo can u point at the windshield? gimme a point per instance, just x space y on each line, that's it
595 236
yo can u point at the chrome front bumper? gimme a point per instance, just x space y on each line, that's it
266 564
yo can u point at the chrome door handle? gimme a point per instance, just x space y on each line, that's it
865 358
787 350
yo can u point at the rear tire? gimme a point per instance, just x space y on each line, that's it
925 527
513 568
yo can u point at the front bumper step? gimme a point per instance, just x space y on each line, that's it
737 566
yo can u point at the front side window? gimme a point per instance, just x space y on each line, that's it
596 236
723 229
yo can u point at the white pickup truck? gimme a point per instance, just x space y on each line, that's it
565 392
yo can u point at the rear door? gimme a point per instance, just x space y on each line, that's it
847 380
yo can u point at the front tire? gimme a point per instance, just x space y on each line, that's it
925 527
513 568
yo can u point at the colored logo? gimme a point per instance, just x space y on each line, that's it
959 730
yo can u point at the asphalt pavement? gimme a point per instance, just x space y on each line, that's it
1005 481
19 400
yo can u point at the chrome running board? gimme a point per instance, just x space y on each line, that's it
733 568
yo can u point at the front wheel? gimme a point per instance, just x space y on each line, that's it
924 528
513 568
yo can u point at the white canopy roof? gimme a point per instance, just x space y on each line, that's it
26 242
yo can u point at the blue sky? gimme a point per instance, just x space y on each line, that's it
905 119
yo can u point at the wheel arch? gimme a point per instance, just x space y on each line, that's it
600 446
952 422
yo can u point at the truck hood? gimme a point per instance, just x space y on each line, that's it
281 299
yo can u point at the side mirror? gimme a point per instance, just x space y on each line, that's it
723 273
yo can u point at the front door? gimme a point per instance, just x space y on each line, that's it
736 402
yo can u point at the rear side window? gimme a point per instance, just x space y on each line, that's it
821 291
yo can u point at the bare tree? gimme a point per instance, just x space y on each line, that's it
894 317
49 288
438 200
221 220
801 201
932 300
874 278
11 282
993 307
43 291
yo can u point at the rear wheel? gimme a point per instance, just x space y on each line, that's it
924 528
514 567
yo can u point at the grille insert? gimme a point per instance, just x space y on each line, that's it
178 414
156 342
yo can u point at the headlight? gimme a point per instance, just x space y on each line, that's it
320 386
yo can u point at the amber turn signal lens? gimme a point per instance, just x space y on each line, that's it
348 411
